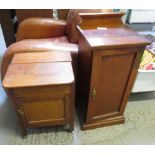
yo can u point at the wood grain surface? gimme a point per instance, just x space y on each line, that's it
41 86
109 57
52 56
38 74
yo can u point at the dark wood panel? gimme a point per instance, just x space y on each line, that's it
7 27
84 66
109 58
93 20
109 79
27 13
113 38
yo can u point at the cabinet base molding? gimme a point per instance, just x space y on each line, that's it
106 122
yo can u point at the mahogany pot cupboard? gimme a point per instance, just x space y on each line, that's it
109 57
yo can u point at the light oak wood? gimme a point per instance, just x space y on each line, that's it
51 56
42 89
27 13
38 74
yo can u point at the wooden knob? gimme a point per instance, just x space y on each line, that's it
20 112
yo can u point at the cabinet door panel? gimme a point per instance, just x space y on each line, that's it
41 111
110 75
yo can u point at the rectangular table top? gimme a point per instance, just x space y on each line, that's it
39 69
105 37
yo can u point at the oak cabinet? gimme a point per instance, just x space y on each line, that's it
51 108
41 86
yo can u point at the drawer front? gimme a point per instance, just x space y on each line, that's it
44 111
40 91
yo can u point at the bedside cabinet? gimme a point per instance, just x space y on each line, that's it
109 57
41 86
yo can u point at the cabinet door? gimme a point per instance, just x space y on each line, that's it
113 74
43 110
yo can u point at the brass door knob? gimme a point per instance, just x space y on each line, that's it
20 112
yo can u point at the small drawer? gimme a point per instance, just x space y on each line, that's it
41 91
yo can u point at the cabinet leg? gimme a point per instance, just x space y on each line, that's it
72 126
23 131
72 108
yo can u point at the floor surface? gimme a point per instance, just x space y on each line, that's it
139 127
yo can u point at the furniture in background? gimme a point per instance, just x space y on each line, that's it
10 18
41 86
63 14
109 57
7 26
45 34
40 35
27 13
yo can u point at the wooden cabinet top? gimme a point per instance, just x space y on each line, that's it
104 37
108 31
40 73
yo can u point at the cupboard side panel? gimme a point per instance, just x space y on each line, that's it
84 66
83 81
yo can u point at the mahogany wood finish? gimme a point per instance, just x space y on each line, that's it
93 20
63 13
42 89
109 57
